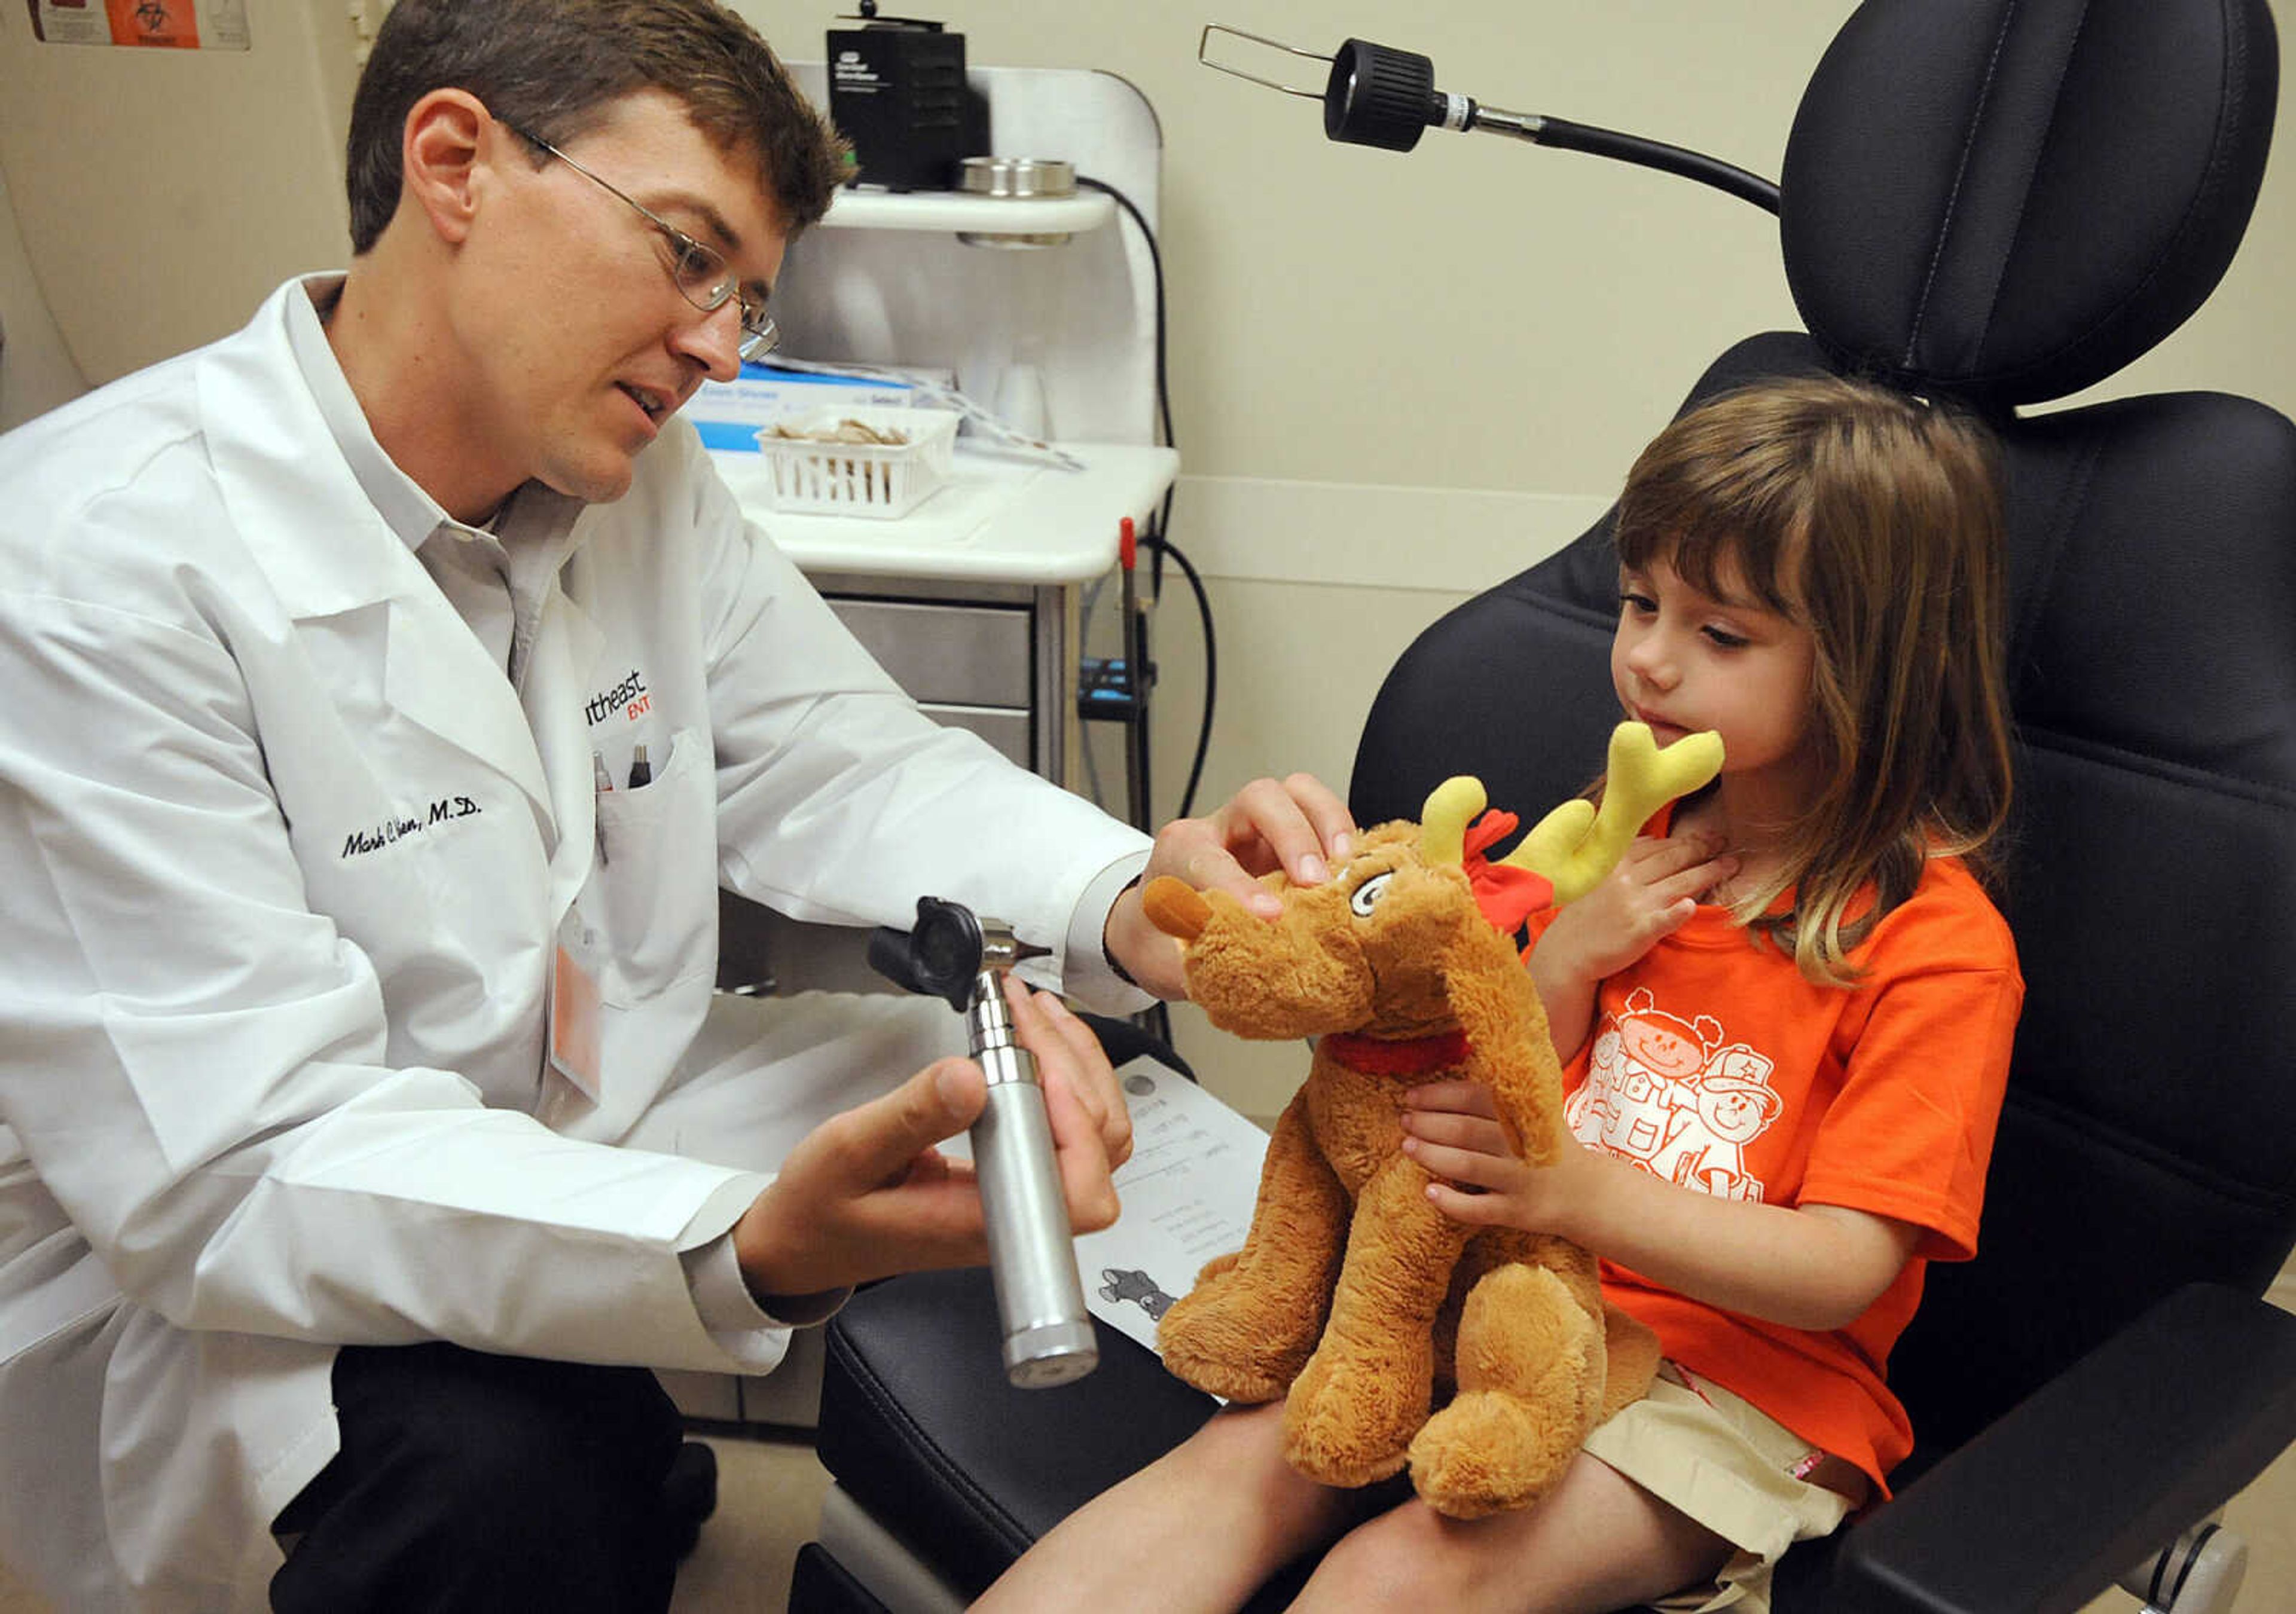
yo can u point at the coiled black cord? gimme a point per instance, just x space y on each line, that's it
1158 538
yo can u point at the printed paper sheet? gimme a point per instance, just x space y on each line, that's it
1187 1191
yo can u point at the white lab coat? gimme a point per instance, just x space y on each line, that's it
287 856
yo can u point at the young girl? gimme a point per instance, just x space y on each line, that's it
1785 1022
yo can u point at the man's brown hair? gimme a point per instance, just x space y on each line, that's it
552 67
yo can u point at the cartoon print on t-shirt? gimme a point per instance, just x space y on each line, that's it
1638 1077
1665 1094
1733 1105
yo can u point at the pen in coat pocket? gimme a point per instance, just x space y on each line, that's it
604 783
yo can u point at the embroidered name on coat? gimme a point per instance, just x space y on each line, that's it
397 827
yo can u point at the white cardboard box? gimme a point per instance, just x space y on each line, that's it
728 413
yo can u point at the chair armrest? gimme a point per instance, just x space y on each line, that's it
2107 1463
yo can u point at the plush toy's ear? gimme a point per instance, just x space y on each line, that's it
1575 845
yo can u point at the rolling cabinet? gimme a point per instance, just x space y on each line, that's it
968 655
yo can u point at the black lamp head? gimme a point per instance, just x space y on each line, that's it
1380 96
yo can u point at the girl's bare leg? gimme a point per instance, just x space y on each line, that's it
1199 1528
1598 1542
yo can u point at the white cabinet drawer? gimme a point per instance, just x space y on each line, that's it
947 654
1007 730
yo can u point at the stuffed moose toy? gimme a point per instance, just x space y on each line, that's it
1353 1297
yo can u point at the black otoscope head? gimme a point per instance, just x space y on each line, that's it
941 956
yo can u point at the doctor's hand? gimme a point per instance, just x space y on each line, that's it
1297 824
865 1194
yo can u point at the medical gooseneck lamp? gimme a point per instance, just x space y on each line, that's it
1376 96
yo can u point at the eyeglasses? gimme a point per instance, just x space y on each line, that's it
702 277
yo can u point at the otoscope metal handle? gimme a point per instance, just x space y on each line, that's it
957 956
1048 1335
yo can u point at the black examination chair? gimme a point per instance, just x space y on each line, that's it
2004 201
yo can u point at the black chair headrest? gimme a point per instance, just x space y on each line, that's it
2009 200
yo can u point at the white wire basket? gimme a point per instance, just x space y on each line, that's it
880 480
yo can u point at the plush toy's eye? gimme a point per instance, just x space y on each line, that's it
1367 895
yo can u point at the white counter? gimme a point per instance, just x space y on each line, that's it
999 521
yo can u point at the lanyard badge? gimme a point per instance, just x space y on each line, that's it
574 1006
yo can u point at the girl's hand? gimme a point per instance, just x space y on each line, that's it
1651 895
1453 1129
1815 1266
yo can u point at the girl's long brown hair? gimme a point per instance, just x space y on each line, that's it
1873 520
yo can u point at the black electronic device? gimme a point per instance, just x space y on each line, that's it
897 90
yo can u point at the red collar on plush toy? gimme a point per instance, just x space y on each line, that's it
1404 1056
1506 893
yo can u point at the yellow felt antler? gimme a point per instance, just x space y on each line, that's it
1451 806
1575 845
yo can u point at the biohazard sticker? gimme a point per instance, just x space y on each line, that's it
184 25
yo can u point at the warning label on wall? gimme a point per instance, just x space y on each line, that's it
186 25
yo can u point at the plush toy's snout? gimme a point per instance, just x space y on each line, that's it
1280 977
1175 907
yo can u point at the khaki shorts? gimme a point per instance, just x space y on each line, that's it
1739 1472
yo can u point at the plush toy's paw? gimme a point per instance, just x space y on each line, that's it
1486 1453
1213 1339
1530 1368
1218 1373
1349 1422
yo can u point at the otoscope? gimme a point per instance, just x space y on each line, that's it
952 954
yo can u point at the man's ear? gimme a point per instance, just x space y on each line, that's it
445 150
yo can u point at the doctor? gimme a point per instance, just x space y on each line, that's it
367 1126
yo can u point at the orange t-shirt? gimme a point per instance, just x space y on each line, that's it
1716 1065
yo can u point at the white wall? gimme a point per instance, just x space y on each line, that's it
161 193
1400 378
1396 378
37 372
